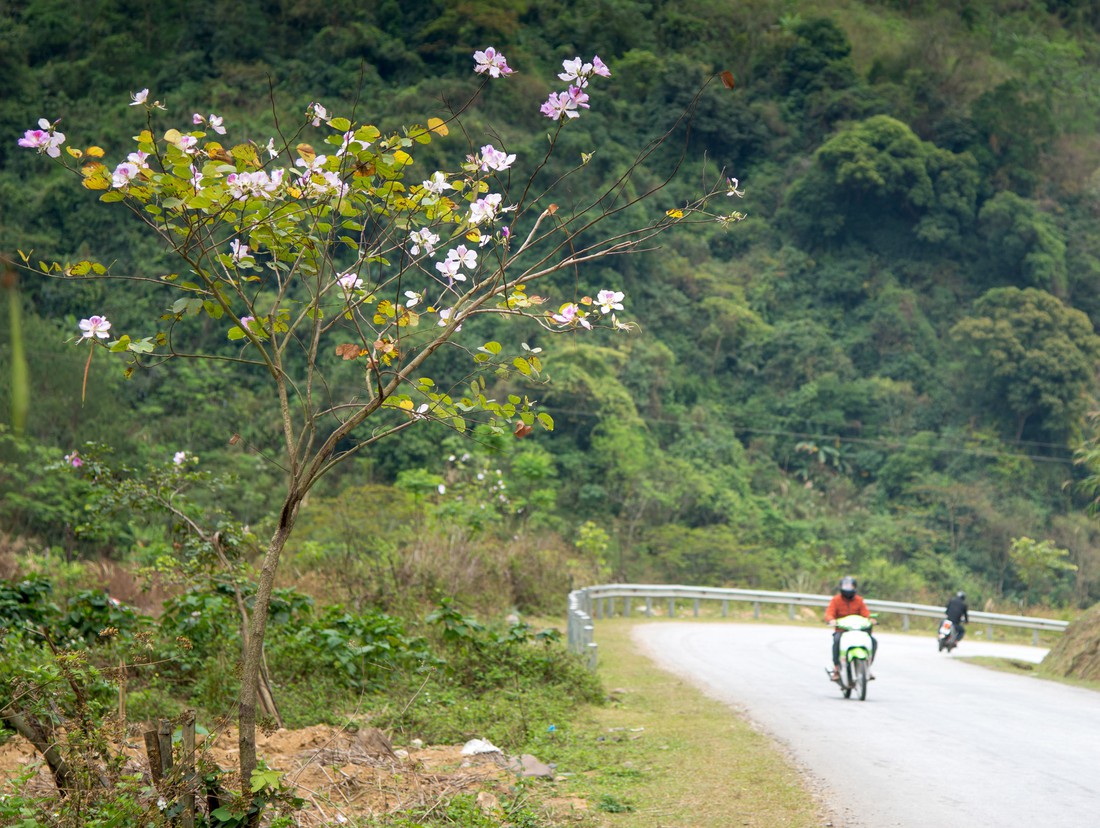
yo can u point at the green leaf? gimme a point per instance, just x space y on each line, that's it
522 365
111 196
341 124
546 420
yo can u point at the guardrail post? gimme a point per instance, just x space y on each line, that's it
626 607
696 608
905 623
592 650
790 611
671 607
725 608
648 607
989 632
1035 638
756 609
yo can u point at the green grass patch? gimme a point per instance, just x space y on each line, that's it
662 753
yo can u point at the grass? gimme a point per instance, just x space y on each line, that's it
663 754
1026 668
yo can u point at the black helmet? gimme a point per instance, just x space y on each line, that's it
960 594
848 587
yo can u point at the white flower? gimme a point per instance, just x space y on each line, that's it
178 459
139 98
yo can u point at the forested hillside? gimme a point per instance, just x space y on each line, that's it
886 369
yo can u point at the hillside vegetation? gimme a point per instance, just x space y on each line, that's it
886 369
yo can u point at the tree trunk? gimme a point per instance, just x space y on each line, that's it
253 655
29 729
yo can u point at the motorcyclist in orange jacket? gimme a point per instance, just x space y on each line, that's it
846 602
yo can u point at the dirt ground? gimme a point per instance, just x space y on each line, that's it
340 775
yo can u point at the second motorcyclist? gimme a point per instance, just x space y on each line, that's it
957 612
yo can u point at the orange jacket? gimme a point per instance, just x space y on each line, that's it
841 606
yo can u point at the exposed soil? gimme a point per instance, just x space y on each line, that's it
339 774
1076 653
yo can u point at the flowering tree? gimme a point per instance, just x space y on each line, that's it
339 277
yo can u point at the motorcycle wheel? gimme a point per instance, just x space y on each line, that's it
940 642
846 686
860 671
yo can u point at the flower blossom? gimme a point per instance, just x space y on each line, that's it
449 268
490 158
188 143
271 151
196 178
579 73
94 326
484 209
437 184
139 98
466 258
240 251
316 113
256 184
445 317
565 104
571 314
422 239
733 188
74 460
412 298
609 300
124 173
179 457
349 282
492 62
44 139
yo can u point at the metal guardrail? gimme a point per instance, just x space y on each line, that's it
590 603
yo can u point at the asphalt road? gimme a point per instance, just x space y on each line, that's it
937 743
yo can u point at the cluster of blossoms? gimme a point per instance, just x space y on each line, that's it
607 302
312 179
318 182
44 139
562 105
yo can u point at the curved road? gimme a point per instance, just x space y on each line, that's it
938 742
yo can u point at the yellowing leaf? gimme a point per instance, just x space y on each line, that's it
402 158
306 152
675 213
406 405
173 136
74 152
474 235
437 126
94 152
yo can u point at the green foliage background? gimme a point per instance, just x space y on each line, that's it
885 370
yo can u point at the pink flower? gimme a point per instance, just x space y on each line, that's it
449 269
484 209
609 300
349 282
94 326
45 139
564 104
600 68
179 457
492 62
493 159
124 173
466 258
74 460
316 113
239 250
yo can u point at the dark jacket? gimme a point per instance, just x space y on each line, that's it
957 610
